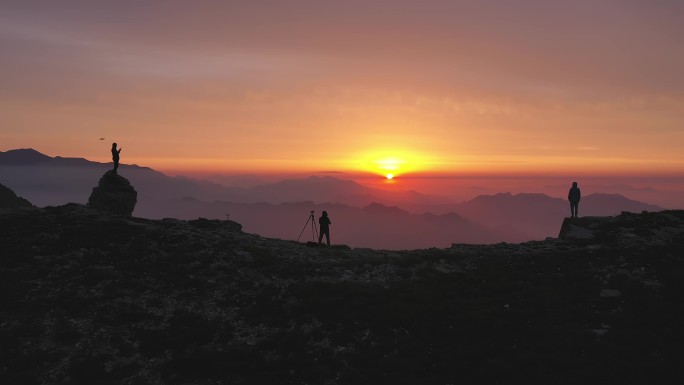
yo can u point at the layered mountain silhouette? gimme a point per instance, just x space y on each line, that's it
361 216
24 157
537 214
334 190
30 173
374 226
46 180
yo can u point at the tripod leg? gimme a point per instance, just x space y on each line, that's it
304 228
313 223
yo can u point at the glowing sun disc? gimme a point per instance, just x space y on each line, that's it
390 176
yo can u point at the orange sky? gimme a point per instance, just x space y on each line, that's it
461 87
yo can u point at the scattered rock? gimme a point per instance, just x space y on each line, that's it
114 194
610 293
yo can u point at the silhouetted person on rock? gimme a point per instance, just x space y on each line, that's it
574 197
324 223
115 157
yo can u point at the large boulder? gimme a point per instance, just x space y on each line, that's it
10 200
114 194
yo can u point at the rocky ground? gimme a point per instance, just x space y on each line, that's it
94 298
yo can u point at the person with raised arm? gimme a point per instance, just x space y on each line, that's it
115 157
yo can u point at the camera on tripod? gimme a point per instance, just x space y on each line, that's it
314 228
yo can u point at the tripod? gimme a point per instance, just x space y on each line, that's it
314 228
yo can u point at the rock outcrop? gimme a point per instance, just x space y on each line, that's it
575 229
114 194
647 229
10 200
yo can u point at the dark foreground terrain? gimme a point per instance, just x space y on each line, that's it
94 298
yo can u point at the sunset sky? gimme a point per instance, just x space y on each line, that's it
442 87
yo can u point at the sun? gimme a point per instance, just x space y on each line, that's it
390 163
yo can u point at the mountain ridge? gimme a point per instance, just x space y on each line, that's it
502 217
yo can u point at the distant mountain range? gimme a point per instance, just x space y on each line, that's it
361 216
45 180
375 226
536 214
28 171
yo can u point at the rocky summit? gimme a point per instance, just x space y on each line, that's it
10 200
89 297
114 194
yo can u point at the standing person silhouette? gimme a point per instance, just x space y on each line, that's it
574 196
324 223
115 157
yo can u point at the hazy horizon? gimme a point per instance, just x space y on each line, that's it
664 190
368 211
